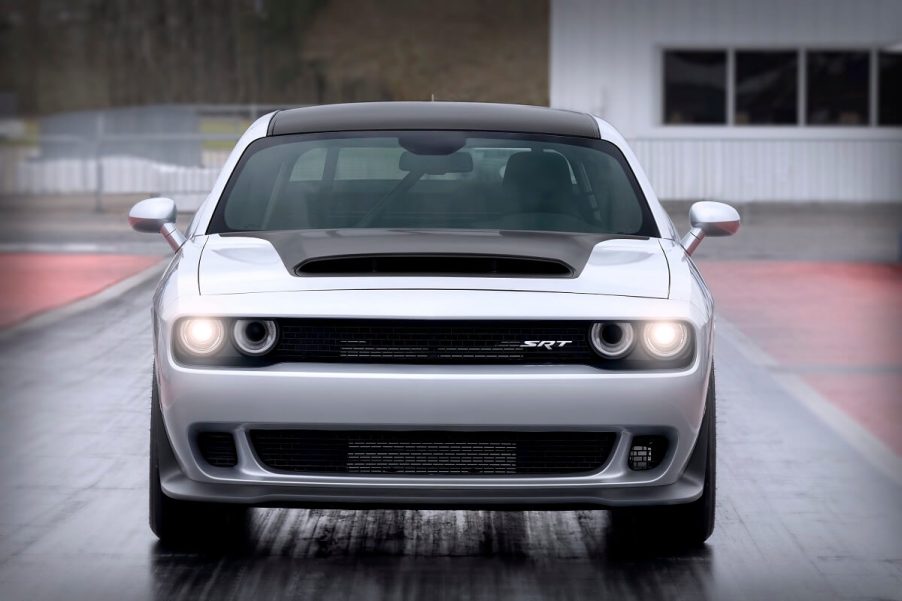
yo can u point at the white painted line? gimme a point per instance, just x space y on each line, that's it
89 302
874 450
871 448
744 344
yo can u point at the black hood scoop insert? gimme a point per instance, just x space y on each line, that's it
463 265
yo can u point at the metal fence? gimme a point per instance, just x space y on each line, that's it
72 165
169 150
179 151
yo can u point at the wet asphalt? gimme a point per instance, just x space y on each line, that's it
801 514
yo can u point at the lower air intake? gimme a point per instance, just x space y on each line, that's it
218 448
432 453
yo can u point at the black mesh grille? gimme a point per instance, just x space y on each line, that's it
436 453
647 452
218 448
440 342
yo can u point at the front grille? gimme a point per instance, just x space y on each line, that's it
432 453
437 342
218 448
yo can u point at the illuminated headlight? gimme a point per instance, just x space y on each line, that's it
613 339
665 339
255 337
201 336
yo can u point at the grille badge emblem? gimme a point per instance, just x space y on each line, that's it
545 344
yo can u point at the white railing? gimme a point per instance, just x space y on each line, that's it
732 169
774 169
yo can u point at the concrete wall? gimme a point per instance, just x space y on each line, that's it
606 58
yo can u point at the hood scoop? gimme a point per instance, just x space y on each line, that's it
321 260
461 265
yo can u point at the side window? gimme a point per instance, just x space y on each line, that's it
310 166
369 163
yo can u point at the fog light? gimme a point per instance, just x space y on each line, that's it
647 452
255 337
665 339
201 336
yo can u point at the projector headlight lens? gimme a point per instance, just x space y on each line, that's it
665 339
201 336
613 339
255 337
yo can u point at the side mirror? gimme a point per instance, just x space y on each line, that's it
709 218
157 215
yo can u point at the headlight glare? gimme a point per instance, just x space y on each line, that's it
613 339
201 336
255 337
665 339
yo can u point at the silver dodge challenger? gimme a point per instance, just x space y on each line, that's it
432 305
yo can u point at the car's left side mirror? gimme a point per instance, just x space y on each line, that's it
157 215
709 218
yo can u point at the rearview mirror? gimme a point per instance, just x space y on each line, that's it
709 218
157 215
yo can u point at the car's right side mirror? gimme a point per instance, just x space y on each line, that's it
709 218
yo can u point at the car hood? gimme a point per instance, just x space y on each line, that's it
594 264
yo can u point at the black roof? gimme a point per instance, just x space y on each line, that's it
469 116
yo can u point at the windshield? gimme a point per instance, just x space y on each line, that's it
433 180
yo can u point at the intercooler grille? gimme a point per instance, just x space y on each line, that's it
437 342
432 453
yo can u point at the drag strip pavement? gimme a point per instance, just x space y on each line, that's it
801 514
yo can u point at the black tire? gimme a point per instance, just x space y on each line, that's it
690 524
185 522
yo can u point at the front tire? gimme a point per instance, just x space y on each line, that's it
690 524
184 522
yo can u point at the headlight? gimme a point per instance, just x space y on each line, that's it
255 337
613 339
201 336
665 339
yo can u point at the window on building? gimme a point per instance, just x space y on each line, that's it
767 88
695 87
889 104
838 88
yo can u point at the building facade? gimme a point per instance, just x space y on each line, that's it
739 100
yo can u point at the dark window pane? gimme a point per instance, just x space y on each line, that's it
838 88
890 82
695 87
766 88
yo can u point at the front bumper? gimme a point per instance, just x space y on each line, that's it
434 398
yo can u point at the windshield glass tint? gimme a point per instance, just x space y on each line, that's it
433 180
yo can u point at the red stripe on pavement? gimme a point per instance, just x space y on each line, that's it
37 282
839 325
